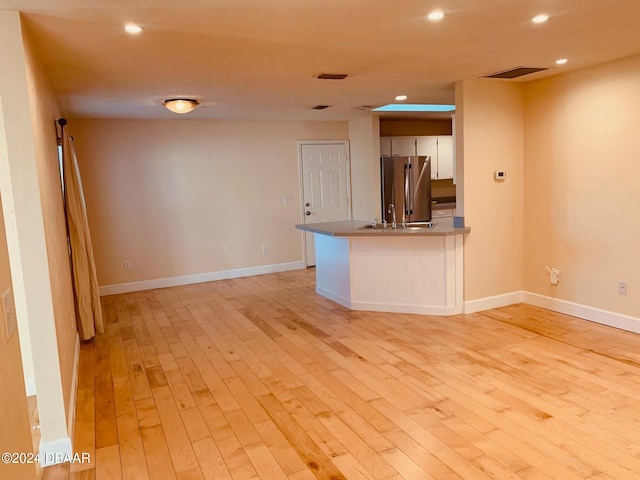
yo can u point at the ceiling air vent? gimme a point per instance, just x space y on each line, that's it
332 76
321 107
515 72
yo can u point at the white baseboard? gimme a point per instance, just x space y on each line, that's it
604 317
497 301
30 386
387 307
199 278
345 302
415 309
55 451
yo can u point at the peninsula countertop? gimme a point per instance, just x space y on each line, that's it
347 228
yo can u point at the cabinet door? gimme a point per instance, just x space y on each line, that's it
428 146
445 156
385 146
442 213
403 146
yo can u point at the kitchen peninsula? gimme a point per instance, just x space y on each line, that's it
400 270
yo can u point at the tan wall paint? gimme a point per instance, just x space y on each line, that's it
183 197
15 434
44 111
391 128
493 126
365 167
582 185
26 236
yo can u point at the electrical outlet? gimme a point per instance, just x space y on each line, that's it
622 288
9 309
265 249
127 264
554 275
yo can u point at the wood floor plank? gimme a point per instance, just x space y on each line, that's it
211 462
266 466
132 456
147 413
259 377
84 439
280 447
313 456
108 463
157 453
175 433
105 416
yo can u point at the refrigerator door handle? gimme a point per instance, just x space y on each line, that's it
407 196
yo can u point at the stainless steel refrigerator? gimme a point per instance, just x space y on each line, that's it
406 188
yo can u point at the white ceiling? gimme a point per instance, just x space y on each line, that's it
257 59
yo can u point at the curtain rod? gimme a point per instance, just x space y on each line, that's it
62 122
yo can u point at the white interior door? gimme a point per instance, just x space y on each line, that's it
325 186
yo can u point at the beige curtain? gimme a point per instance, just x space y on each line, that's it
85 280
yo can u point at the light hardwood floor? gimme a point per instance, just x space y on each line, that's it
259 378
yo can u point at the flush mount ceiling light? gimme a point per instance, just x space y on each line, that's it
181 105
540 18
401 98
436 16
132 28
561 61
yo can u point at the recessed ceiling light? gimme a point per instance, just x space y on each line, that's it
561 61
400 98
132 28
436 15
540 18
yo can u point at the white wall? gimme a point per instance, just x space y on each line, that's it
364 136
186 197
15 434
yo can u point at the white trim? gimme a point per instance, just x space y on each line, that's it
347 148
415 309
54 452
388 307
199 278
73 397
345 302
496 301
604 317
30 386
585 312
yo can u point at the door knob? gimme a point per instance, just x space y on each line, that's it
307 212
307 204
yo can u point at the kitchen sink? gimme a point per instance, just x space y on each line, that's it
421 225
409 226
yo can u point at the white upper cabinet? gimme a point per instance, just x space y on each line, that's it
438 147
385 146
428 146
403 146
445 156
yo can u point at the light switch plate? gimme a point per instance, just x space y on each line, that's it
9 314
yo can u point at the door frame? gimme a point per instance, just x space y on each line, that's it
301 143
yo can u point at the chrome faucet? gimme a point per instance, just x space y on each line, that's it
392 211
